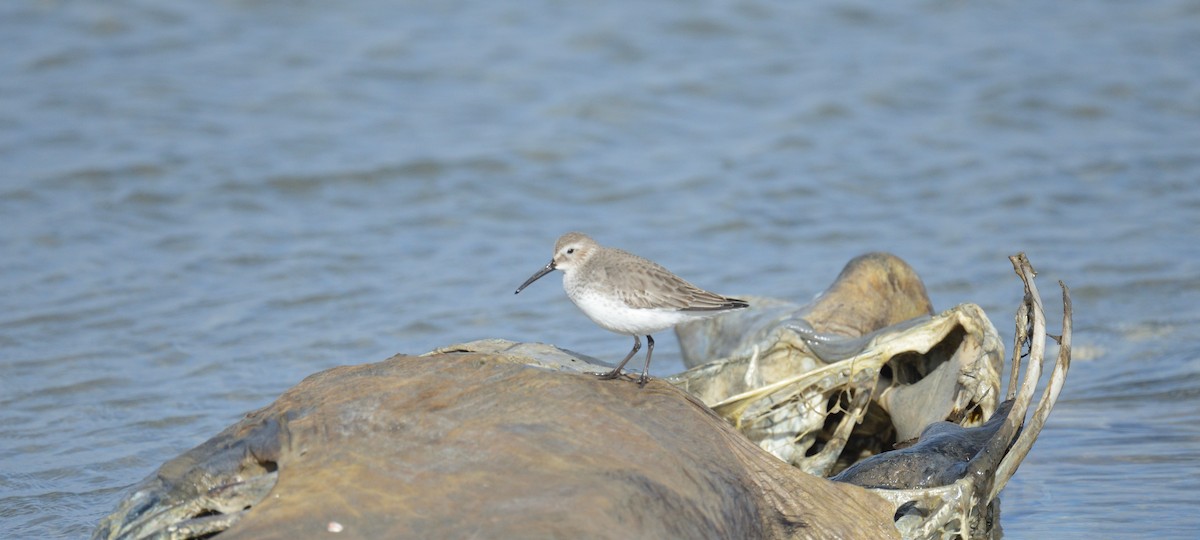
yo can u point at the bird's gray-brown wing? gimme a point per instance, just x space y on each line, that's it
647 285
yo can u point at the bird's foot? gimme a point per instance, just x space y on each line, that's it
611 375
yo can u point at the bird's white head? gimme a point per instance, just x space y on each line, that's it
570 252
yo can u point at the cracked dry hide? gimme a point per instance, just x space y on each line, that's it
862 366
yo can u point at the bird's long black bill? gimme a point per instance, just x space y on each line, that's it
545 270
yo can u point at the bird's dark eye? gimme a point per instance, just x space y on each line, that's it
570 251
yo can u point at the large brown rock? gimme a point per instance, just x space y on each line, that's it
459 445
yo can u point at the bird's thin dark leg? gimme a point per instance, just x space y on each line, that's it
649 351
616 372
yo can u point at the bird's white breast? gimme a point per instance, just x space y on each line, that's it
612 314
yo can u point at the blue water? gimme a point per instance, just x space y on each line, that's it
204 203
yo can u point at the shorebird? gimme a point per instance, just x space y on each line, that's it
627 294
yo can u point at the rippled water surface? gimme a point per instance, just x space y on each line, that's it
204 203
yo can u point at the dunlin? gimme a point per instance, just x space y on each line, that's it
627 294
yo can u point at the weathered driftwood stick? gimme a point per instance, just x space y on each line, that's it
982 470
1021 447
1019 338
